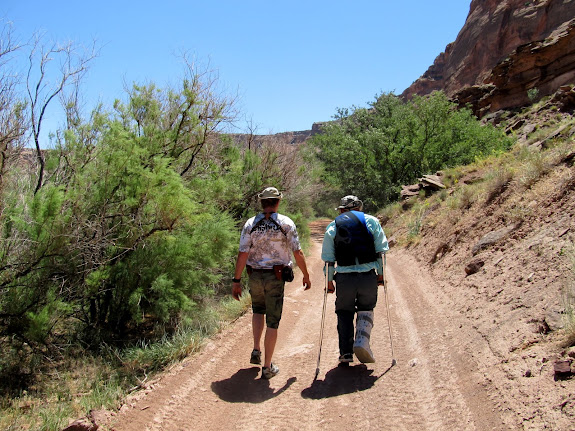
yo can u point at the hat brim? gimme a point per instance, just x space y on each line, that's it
347 207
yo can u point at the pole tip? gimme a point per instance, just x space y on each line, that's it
393 362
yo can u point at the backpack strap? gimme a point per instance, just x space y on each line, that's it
262 220
278 225
361 220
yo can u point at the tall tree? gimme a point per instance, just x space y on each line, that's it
43 84
372 151
12 117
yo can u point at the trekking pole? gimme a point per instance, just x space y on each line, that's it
322 322
393 361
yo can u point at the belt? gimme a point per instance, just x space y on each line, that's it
262 269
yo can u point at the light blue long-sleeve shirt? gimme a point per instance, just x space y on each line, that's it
379 240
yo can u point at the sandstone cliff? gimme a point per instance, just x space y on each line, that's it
504 49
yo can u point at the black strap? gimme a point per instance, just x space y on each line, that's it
278 225
262 220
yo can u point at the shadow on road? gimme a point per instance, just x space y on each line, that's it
246 386
342 380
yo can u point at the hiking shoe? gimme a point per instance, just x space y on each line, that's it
269 372
346 358
256 357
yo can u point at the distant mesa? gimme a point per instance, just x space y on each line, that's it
288 138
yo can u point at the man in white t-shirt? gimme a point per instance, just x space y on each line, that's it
266 243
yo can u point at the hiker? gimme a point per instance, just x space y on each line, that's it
265 245
352 250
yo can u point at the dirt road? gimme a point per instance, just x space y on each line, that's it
432 386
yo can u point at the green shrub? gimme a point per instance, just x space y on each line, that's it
372 152
533 94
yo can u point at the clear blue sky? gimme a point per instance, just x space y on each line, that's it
292 63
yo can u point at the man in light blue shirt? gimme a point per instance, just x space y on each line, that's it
352 248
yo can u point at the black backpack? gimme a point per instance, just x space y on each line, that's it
353 240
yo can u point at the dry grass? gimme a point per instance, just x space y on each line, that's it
90 382
569 302
516 173
497 181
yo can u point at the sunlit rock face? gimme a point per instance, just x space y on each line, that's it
504 50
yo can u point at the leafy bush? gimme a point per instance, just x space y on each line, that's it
533 94
125 230
132 231
372 152
120 231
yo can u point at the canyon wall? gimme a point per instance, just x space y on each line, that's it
505 49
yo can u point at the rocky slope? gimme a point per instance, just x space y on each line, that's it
499 241
505 49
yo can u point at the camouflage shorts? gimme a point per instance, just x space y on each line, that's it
267 296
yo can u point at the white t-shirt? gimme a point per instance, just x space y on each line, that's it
267 245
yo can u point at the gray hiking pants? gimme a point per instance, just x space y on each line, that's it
355 291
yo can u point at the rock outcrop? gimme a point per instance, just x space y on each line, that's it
504 50
428 184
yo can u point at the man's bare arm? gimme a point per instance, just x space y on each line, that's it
300 260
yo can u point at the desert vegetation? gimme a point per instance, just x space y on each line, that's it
373 151
118 236
513 188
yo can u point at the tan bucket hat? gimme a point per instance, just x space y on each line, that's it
270 193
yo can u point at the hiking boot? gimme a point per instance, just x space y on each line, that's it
269 372
256 357
346 358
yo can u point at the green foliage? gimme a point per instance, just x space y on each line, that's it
41 322
533 94
372 152
188 338
130 233
124 229
133 232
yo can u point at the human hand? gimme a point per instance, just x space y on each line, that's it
330 287
236 291
306 283
380 280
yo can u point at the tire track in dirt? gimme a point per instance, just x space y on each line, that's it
217 389
426 370
451 394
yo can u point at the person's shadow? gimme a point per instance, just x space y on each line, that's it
342 380
245 387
